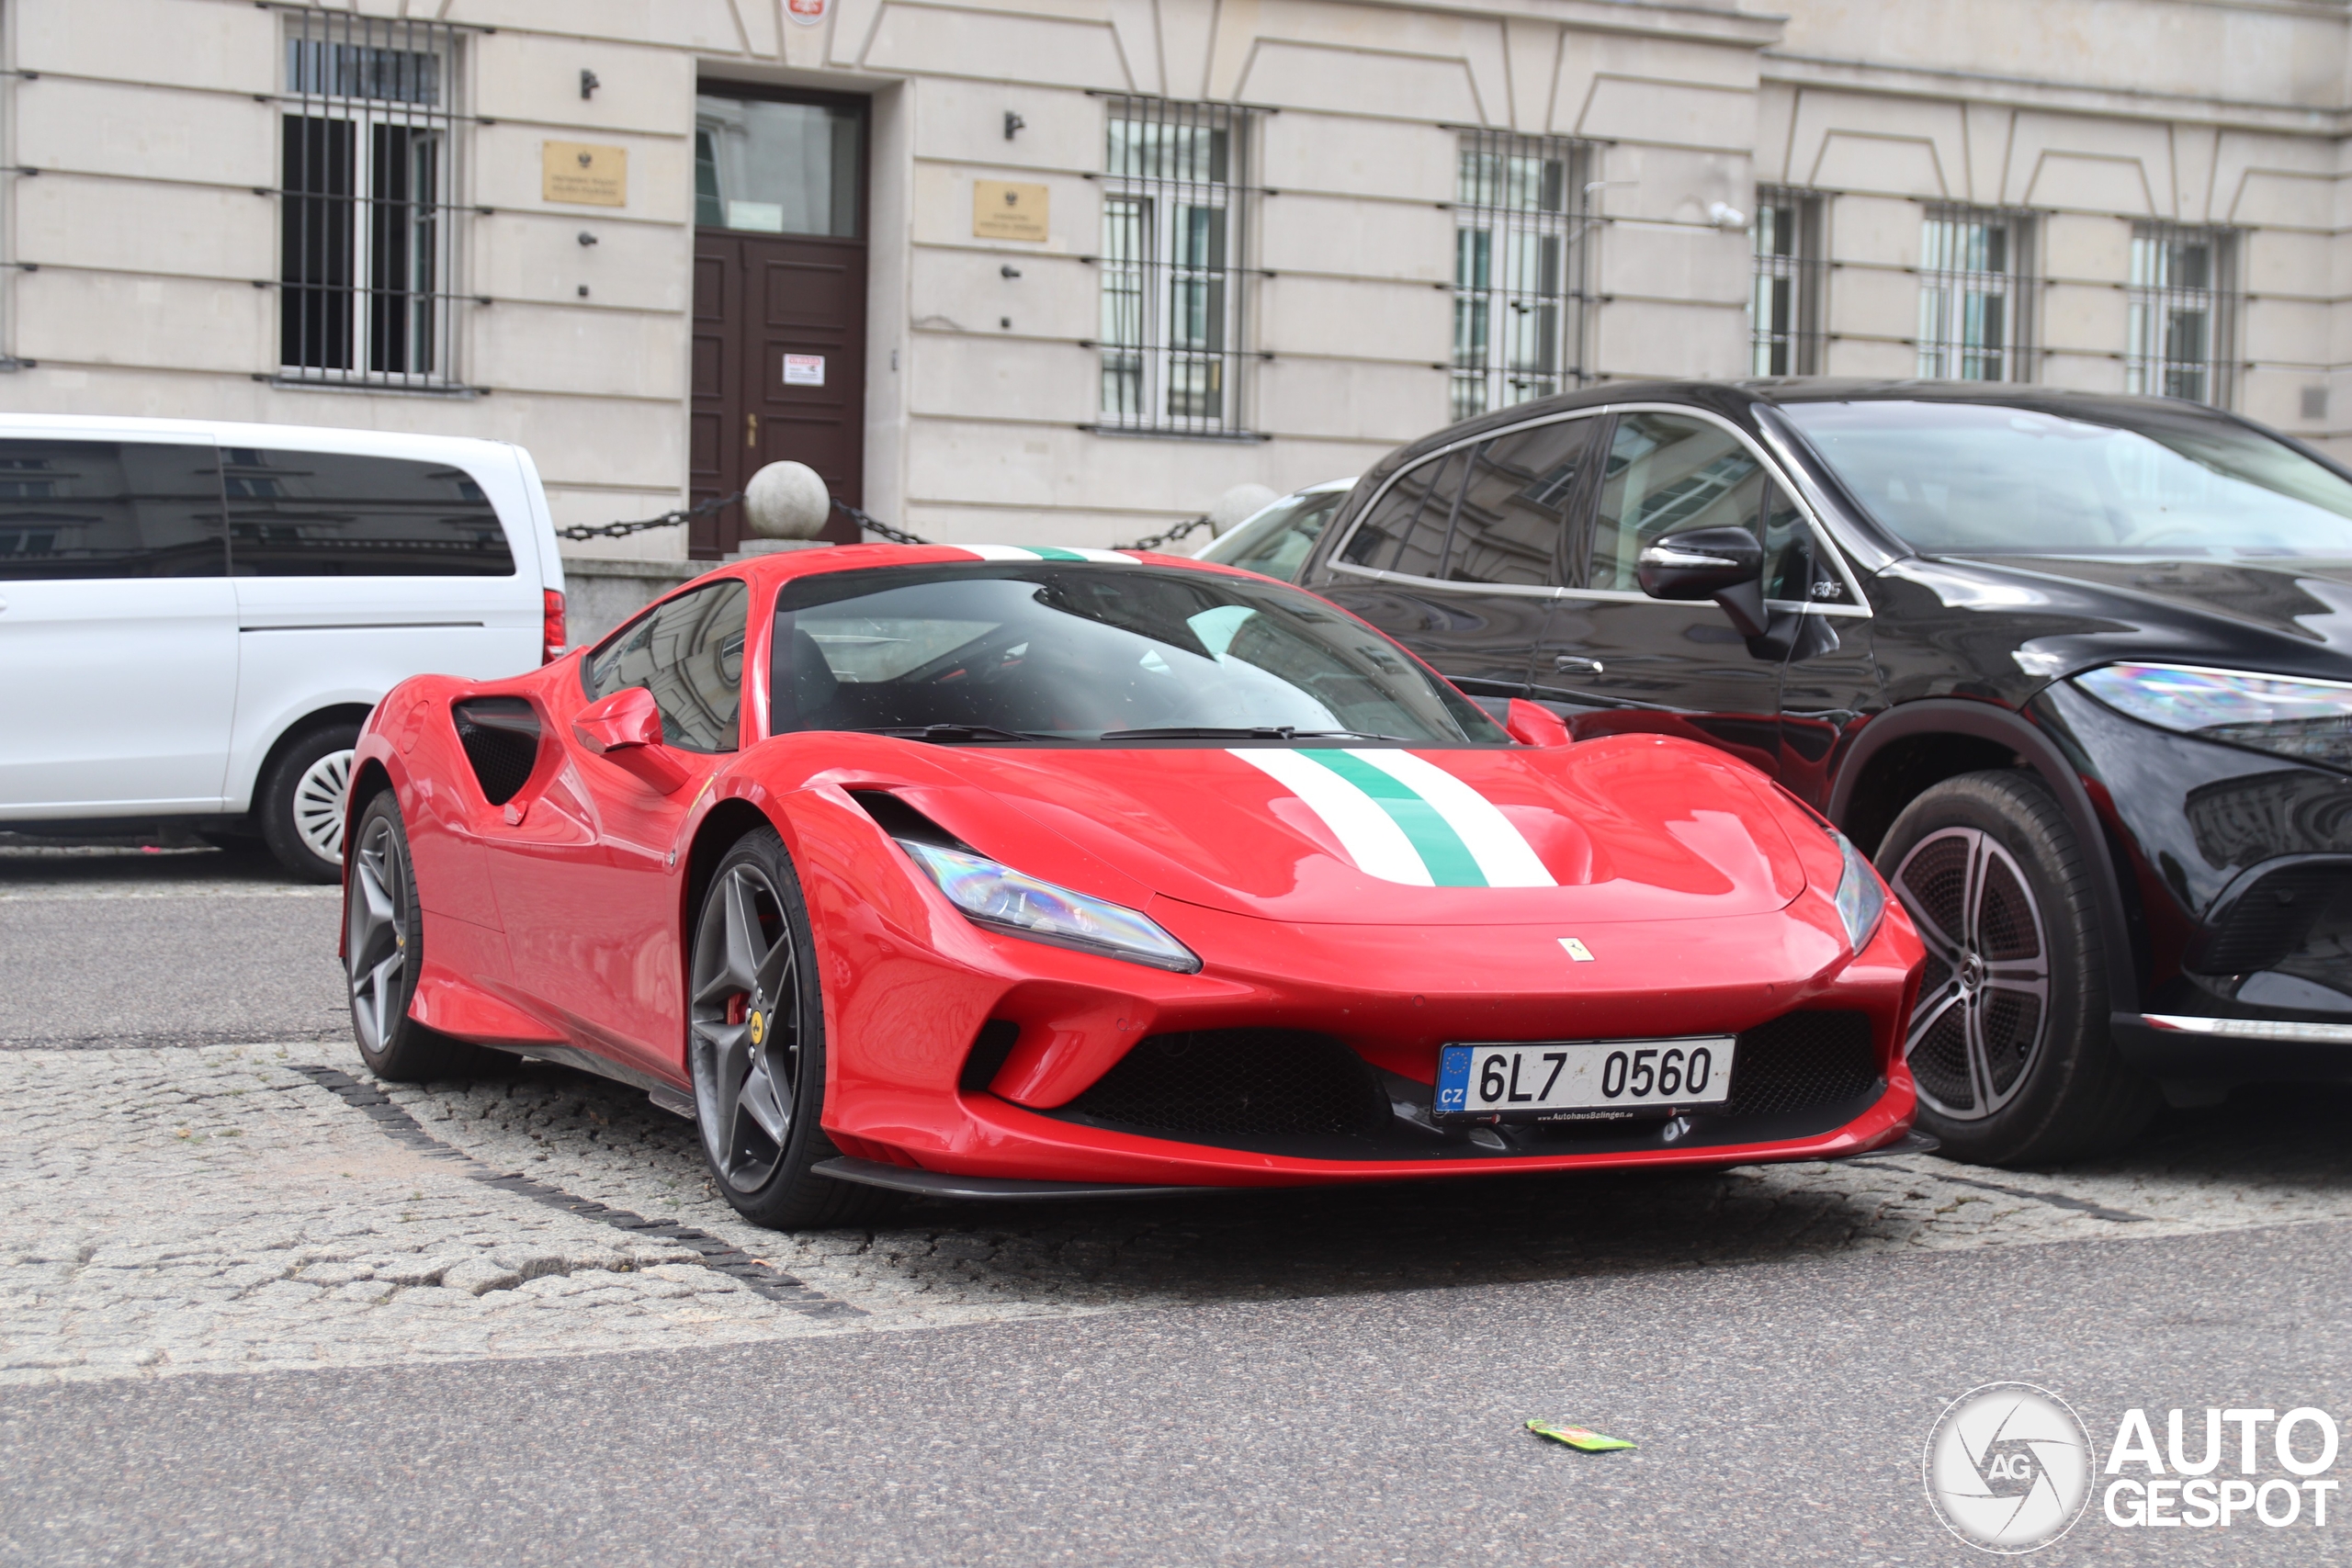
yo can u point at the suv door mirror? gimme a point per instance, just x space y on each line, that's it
1723 564
625 731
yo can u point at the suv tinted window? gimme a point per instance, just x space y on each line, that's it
1406 529
1667 473
337 515
1516 503
110 508
689 653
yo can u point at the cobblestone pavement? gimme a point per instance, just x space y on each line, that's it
179 1207
217 1207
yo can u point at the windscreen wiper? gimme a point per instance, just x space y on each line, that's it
1257 732
947 734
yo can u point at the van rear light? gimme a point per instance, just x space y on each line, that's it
552 627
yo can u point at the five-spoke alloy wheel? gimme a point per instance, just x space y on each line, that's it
755 1045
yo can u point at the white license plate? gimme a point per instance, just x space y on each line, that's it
1567 1077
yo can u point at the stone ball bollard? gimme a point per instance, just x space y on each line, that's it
787 500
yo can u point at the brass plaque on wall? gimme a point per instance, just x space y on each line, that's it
577 172
1002 210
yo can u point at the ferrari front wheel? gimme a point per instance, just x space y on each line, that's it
756 1043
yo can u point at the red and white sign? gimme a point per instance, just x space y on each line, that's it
804 369
807 13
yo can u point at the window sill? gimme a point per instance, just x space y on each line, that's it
1151 433
379 388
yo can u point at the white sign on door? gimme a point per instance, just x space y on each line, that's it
804 369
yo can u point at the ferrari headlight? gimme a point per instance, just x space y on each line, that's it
2309 720
1861 897
1002 898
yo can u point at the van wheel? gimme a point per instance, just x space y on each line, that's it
302 802
2009 1041
383 948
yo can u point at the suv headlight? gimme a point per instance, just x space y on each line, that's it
1017 904
1861 897
2306 719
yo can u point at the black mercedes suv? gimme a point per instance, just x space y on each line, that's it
2075 670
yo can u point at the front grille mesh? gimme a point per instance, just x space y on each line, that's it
1800 1061
1251 1083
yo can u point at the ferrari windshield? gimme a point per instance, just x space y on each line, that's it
1986 479
1002 652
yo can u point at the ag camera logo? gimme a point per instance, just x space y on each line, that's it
2008 1468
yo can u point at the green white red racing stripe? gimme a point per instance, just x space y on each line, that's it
1403 818
1045 552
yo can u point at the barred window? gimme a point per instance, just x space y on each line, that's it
369 218
1172 231
1519 270
1785 317
2183 313
1976 295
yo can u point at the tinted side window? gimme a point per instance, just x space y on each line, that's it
1668 473
1516 504
339 515
110 508
1406 529
689 653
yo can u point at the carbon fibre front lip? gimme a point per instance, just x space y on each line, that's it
932 1184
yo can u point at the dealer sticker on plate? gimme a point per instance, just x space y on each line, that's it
1522 1080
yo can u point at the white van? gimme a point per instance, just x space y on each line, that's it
195 618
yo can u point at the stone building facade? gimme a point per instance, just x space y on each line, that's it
1064 271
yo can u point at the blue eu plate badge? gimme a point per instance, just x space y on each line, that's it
1454 1079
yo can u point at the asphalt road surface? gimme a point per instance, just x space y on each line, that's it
254 1311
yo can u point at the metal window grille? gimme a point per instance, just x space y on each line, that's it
1976 295
2183 313
1787 298
1520 267
368 221
1173 221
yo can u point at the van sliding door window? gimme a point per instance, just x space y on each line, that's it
108 509
339 515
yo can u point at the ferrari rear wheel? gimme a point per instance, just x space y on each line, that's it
755 1045
383 951
2009 1040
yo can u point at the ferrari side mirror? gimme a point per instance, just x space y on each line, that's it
1723 564
625 731
1532 723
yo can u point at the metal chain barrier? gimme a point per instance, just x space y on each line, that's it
667 520
874 526
687 514
1154 541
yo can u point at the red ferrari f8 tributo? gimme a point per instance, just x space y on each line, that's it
1011 871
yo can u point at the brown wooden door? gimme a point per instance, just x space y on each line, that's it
780 370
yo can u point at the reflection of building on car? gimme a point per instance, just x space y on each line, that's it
2072 667
196 618
996 871
1277 538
